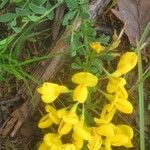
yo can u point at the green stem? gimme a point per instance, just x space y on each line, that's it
141 101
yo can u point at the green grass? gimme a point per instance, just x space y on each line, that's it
141 86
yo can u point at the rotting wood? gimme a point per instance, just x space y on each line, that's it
47 72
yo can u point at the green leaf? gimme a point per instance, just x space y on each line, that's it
69 16
75 66
7 17
33 18
13 72
78 60
37 9
104 39
3 3
23 12
39 2
72 4
107 56
17 1
48 7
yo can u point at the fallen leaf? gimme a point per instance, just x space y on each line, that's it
135 14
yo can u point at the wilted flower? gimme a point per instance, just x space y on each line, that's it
97 47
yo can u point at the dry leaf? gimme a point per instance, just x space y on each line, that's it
135 14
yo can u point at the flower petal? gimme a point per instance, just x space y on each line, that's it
45 122
114 84
126 63
96 142
82 132
64 128
47 88
119 140
124 106
80 94
105 130
71 116
85 79
125 129
51 139
122 93
77 141
49 98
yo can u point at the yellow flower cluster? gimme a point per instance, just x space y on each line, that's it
104 134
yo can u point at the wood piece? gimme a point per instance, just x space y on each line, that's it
45 73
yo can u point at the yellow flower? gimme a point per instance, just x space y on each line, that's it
64 128
80 93
122 137
124 106
125 130
69 118
52 114
120 104
52 140
114 84
77 141
97 47
82 131
50 118
51 91
84 80
106 130
106 115
126 63
45 122
96 142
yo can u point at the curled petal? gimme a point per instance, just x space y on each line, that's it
124 106
85 79
64 128
80 94
126 63
45 122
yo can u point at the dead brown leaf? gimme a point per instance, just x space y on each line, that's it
135 14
